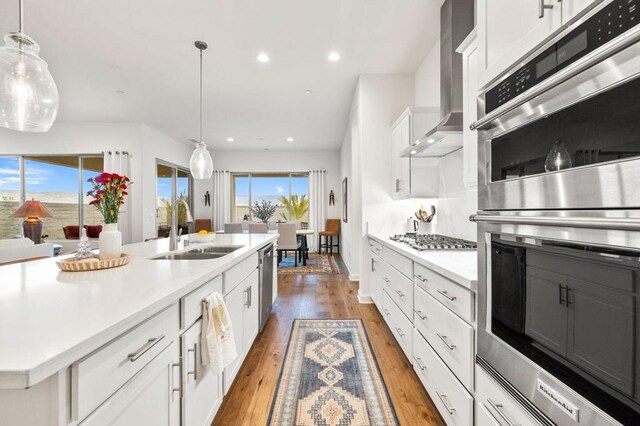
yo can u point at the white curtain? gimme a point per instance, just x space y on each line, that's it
120 162
317 205
221 202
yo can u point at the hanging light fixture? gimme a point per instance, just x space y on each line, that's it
201 163
28 94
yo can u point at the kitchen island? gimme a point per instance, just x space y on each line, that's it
73 345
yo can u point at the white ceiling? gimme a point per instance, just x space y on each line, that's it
145 48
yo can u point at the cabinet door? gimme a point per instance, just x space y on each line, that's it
470 106
151 397
375 280
602 333
508 29
546 317
235 305
571 8
396 143
404 187
201 389
251 312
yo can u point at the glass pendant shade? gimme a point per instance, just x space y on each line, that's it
28 94
558 158
201 164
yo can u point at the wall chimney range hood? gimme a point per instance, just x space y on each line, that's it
456 22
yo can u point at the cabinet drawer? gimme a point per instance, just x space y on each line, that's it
484 417
400 326
449 396
452 295
398 261
238 273
400 288
191 304
97 376
498 403
450 337
375 246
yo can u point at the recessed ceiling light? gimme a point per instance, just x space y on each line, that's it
431 140
260 139
262 57
334 56
289 139
413 152
120 92
308 92
229 139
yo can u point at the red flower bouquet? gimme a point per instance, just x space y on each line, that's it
109 190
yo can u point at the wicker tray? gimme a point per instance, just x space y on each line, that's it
91 264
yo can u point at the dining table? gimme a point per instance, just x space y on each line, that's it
303 233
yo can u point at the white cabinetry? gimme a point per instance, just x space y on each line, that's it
508 29
470 69
572 8
413 177
375 280
201 388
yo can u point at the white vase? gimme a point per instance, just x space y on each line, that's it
110 242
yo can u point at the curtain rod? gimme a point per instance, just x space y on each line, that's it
116 152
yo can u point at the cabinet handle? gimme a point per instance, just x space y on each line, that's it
569 290
422 317
446 342
401 294
179 388
248 291
442 397
422 367
541 7
397 185
386 312
134 356
193 373
373 265
445 294
498 409
399 330
421 278
386 280
560 289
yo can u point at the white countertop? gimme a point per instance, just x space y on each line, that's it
459 266
50 319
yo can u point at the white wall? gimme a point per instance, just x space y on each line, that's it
143 143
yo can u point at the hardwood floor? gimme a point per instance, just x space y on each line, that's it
321 296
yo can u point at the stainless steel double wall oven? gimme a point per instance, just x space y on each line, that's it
559 223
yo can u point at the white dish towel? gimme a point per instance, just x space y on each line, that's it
217 340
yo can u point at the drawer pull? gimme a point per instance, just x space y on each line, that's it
498 409
399 330
444 340
422 317
442 397
401 294
445 294
134 356
386 312
386 280
422 367
179 388
421 278
193 373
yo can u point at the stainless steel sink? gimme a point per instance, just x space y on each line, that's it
189 256
216 249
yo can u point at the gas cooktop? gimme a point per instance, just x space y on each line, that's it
423 242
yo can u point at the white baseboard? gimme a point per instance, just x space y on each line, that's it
364 299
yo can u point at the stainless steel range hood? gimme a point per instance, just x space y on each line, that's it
456 22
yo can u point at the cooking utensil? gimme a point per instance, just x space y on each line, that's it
433 213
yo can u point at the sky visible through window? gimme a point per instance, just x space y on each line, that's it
269 188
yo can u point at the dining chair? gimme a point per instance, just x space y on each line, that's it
287 241
233 228
331 229
258 228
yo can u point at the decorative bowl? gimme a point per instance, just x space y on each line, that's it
91 264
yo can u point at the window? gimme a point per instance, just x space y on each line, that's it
289 192
57 181
173 184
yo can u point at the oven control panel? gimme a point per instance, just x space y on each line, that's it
605 25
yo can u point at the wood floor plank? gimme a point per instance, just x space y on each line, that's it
321 296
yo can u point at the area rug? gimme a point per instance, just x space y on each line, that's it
317 264
330 376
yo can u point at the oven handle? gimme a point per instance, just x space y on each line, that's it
573 222
577 67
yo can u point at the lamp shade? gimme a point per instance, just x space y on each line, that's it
28 94
32 209
201 163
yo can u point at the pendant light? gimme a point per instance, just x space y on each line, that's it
201 163
28 94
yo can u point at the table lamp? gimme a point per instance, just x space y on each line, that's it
32 211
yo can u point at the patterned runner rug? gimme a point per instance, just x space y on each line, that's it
330 377
316 265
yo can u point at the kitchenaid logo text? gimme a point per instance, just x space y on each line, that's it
553 396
